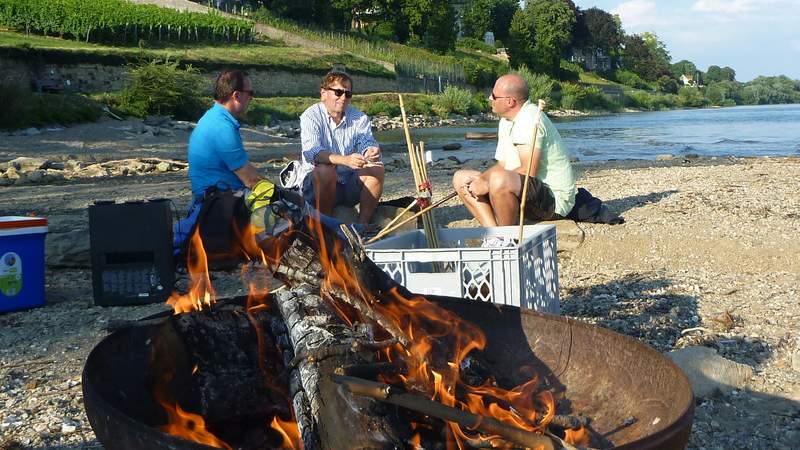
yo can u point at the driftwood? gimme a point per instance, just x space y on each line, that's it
336 420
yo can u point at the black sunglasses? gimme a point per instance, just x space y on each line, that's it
494 97
339 92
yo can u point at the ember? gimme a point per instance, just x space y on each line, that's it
462 374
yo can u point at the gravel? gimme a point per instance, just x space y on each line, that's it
707 256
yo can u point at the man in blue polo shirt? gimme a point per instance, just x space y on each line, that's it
216 154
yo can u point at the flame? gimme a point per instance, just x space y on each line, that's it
201 294
440 342
290 433
189 426
579 436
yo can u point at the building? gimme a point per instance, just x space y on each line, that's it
591 59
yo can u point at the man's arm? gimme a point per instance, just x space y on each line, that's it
525 156
248 174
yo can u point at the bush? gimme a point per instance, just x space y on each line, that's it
453 100
480 103
691 97
572 96
540 86
163 88
570 71
421 104
35 110
649 101
383 108
475 44
630 79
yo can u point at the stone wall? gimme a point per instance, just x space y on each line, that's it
89 78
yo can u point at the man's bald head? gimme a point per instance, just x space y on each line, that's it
515 86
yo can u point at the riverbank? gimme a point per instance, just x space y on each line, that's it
708 257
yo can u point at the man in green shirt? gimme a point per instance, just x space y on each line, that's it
493 196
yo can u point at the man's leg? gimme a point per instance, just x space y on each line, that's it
372 181
504 194
319 188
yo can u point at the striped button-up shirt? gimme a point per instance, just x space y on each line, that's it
318 133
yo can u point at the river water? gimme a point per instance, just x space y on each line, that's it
771 130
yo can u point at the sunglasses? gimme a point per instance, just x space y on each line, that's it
339 92
494 97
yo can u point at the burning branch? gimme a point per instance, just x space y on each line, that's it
488 425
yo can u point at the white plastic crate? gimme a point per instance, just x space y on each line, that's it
525 276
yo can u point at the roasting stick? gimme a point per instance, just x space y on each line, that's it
415 169
528 172
421 404
427 192
387 230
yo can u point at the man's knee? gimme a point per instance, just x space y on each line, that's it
372 174
324 176
502 182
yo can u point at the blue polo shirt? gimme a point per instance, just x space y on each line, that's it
215 151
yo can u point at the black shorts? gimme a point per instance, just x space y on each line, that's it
540 204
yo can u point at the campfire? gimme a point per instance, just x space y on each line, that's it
343 357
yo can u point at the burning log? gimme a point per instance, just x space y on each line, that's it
336 421
222 363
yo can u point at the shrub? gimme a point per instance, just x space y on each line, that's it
480 103
453 100
649 101
34 110
691 97
475 44
163 88
540 86
572 96
422 104
570 71
630 79
382 108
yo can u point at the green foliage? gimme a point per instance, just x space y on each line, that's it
540 86
630 79
120 22
480 16
771 90
645 56
539 34
27 109
452 100
574 96
597 29
163 88
569 71
649 101
430 23
682 67
691 97
476 44
383 108
667 84
482 72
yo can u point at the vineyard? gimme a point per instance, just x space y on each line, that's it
120 22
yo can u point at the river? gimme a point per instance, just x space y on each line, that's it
771 130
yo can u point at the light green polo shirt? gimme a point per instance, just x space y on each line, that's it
555 169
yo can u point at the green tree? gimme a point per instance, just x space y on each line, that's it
521 36
431 23
553 23
713 74
597 29
658 50
727 74
480 16
682 67
667 84
638 57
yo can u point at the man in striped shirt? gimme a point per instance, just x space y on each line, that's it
341 160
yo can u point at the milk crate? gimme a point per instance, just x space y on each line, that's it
524 276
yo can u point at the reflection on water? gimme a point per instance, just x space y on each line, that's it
772 130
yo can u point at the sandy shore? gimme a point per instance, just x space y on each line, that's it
709 245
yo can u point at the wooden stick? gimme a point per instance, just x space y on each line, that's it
402 213
528 173
409 145
418 403
388 230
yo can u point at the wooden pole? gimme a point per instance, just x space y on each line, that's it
388 230
528 172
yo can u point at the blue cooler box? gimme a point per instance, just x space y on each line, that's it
21 262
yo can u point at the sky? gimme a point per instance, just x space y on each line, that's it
754 37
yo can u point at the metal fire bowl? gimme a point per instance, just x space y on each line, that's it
635 397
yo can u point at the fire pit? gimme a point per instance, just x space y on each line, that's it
635 397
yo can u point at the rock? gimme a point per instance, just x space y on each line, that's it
665 157
182 125
455 158
51 165
31 131
157 121
11 173
69 249
27 164
453 146
35 176
72 165
163 167
6 182
708 372
691 156
94 170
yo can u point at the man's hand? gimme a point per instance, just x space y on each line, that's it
476 187
354 161
373 155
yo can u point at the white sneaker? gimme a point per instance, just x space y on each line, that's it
496 242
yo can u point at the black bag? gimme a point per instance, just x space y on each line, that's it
222 219
589 208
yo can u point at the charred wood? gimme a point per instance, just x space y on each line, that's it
338 419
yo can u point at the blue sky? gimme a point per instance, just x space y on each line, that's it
754 37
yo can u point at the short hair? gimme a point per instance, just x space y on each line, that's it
228 82
517 87
333 76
